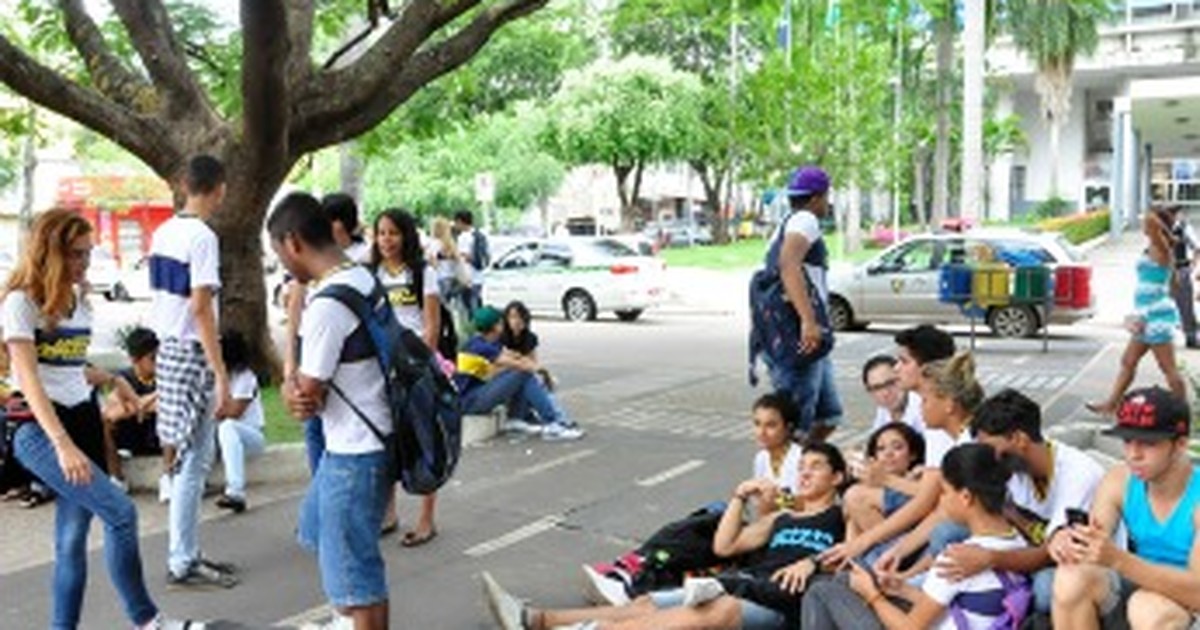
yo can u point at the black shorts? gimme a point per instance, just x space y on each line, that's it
86 429
139 438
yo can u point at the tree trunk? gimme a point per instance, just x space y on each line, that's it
1054 140
853 229
919 179
350 171
971 191
28 169
621 172
944 33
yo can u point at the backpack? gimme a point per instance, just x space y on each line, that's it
481 253
447 340
774 324
426 439
676 549
1015 603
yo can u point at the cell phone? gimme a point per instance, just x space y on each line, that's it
1076 516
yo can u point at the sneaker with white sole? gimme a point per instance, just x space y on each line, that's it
508 611
523 427
164 488
165 623
557 432
698 591
201 576
336 622
602 589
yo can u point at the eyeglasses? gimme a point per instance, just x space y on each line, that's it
891 382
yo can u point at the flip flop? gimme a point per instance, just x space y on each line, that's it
413 539
389 528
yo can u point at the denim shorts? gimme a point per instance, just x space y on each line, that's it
339 522
754 616
893 500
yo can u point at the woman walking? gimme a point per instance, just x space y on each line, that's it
47 329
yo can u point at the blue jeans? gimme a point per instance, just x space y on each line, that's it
73 516
1043 590
813 390
339 522
187 490
238 441
754 616
945 534
521 391
314 443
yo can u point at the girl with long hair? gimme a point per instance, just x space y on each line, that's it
412 290
47 329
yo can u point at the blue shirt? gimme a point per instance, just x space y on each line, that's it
1168 542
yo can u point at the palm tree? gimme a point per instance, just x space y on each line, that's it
1053 33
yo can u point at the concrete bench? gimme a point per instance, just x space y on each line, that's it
283 463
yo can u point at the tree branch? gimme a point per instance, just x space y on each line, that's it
322 127
109 74
265 89
144 137
153 37
300 14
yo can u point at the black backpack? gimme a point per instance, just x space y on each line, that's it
481 253
426 439
676 549
447 340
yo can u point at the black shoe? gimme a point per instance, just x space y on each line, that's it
236 504
199 576
227 568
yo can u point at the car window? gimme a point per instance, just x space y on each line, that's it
518 257
913 257
606 248
554 255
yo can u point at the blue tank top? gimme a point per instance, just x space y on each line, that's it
1168 542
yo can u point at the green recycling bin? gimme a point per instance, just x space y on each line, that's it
1031 284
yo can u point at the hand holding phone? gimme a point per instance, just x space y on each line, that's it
1076 516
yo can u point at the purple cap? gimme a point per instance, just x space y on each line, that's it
808 180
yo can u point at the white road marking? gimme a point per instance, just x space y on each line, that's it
1078 374
670 473
550 464
517 535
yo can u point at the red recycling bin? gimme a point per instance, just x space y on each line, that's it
1073 286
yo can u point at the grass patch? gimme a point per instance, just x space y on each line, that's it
280 426
747 254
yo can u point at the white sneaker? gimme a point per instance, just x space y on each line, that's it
561 432
164 488
602 589
163 623
697 591
121 484
337 622
508 611
514 425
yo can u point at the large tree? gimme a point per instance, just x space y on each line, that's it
145 88
1053 33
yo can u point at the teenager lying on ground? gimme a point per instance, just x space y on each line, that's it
765 596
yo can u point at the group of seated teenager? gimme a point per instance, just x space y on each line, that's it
963 515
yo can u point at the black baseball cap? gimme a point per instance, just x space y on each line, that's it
1152 414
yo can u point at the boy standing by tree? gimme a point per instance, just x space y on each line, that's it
193 386
338 380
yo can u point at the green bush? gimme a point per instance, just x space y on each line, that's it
1078 228
1051 208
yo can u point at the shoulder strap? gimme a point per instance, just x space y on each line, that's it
361 307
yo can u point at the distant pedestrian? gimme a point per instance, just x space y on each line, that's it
803 258
1155 318
347 231
193 385
474 250
1184 253
47 329
339 383
453 274
131 422
240 430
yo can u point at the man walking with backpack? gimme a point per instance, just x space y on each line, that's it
340 381
801 367
474 249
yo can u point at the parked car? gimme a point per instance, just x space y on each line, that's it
577 276
678 234
104 275
901 283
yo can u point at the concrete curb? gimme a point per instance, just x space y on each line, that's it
283 463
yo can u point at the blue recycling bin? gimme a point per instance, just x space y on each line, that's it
954 284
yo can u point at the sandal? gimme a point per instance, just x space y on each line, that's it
413 538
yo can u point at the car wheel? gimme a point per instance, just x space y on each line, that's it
1013 321
840 315
630 315
578 306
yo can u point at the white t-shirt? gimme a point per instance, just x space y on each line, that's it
938 443
184 255
358 251
323 331
243 385
466 248
403 298
1072 485
912 415
806 224
789 468
944 591
61 353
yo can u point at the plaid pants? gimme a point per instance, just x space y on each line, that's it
185 389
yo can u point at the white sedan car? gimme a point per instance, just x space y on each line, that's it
578 276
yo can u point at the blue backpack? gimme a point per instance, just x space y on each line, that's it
1009 604
774 325
426 440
